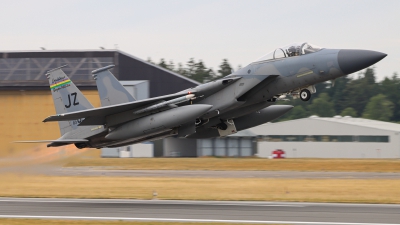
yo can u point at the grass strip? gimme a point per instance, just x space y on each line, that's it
353 165
250 189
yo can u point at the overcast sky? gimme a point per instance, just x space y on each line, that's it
177 30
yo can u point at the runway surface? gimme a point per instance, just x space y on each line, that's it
86 171
201 211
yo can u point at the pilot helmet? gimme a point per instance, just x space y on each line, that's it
294 50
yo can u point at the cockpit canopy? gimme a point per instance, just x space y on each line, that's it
295 49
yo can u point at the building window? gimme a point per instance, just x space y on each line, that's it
373 138
246 147
206 147
220 147
28 69
233 147
323 138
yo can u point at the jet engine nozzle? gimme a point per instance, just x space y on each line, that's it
352 60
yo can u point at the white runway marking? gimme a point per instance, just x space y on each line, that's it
186 220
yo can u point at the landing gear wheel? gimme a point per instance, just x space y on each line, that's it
305 95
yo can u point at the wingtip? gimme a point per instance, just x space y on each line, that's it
47 119
52 118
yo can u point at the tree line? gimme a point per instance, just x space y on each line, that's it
356 96
359 96
197 70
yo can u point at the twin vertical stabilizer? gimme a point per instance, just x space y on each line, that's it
67 98
111 91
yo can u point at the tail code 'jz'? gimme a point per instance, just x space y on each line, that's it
69 100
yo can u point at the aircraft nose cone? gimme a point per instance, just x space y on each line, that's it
351 60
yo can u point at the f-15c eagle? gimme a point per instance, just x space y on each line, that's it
243 99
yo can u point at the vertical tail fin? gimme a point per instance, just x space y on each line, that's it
67 98
110 89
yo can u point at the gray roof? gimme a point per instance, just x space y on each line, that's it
159 67
28 68
15 53
360 122
367 123
243 133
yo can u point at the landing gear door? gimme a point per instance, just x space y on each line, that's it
231 129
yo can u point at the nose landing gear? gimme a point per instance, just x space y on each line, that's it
305 95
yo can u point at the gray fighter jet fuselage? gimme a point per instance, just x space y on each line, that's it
282 73
236 102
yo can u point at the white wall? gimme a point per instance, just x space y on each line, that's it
142 150
145 150
330 149
309 126
139 89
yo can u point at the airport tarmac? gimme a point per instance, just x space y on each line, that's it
201 211
96 171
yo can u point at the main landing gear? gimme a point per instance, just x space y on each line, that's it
222 126
305 95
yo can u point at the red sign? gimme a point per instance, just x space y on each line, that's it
278 154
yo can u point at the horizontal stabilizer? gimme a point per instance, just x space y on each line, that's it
98 114
55 141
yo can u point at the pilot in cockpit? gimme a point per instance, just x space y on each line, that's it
293 51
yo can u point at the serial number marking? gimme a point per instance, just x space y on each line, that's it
78 121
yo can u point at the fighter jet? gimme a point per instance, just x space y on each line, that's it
243 99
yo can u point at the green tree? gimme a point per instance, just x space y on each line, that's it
202 73
369 76
322 106
335 91
379 108
163 64
190 68
225 68
390 87
171 66
149 60
349 112
181 70
297 112
359 91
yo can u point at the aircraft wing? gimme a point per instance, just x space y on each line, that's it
97 116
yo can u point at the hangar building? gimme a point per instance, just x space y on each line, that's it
26 99
240 144
337 137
